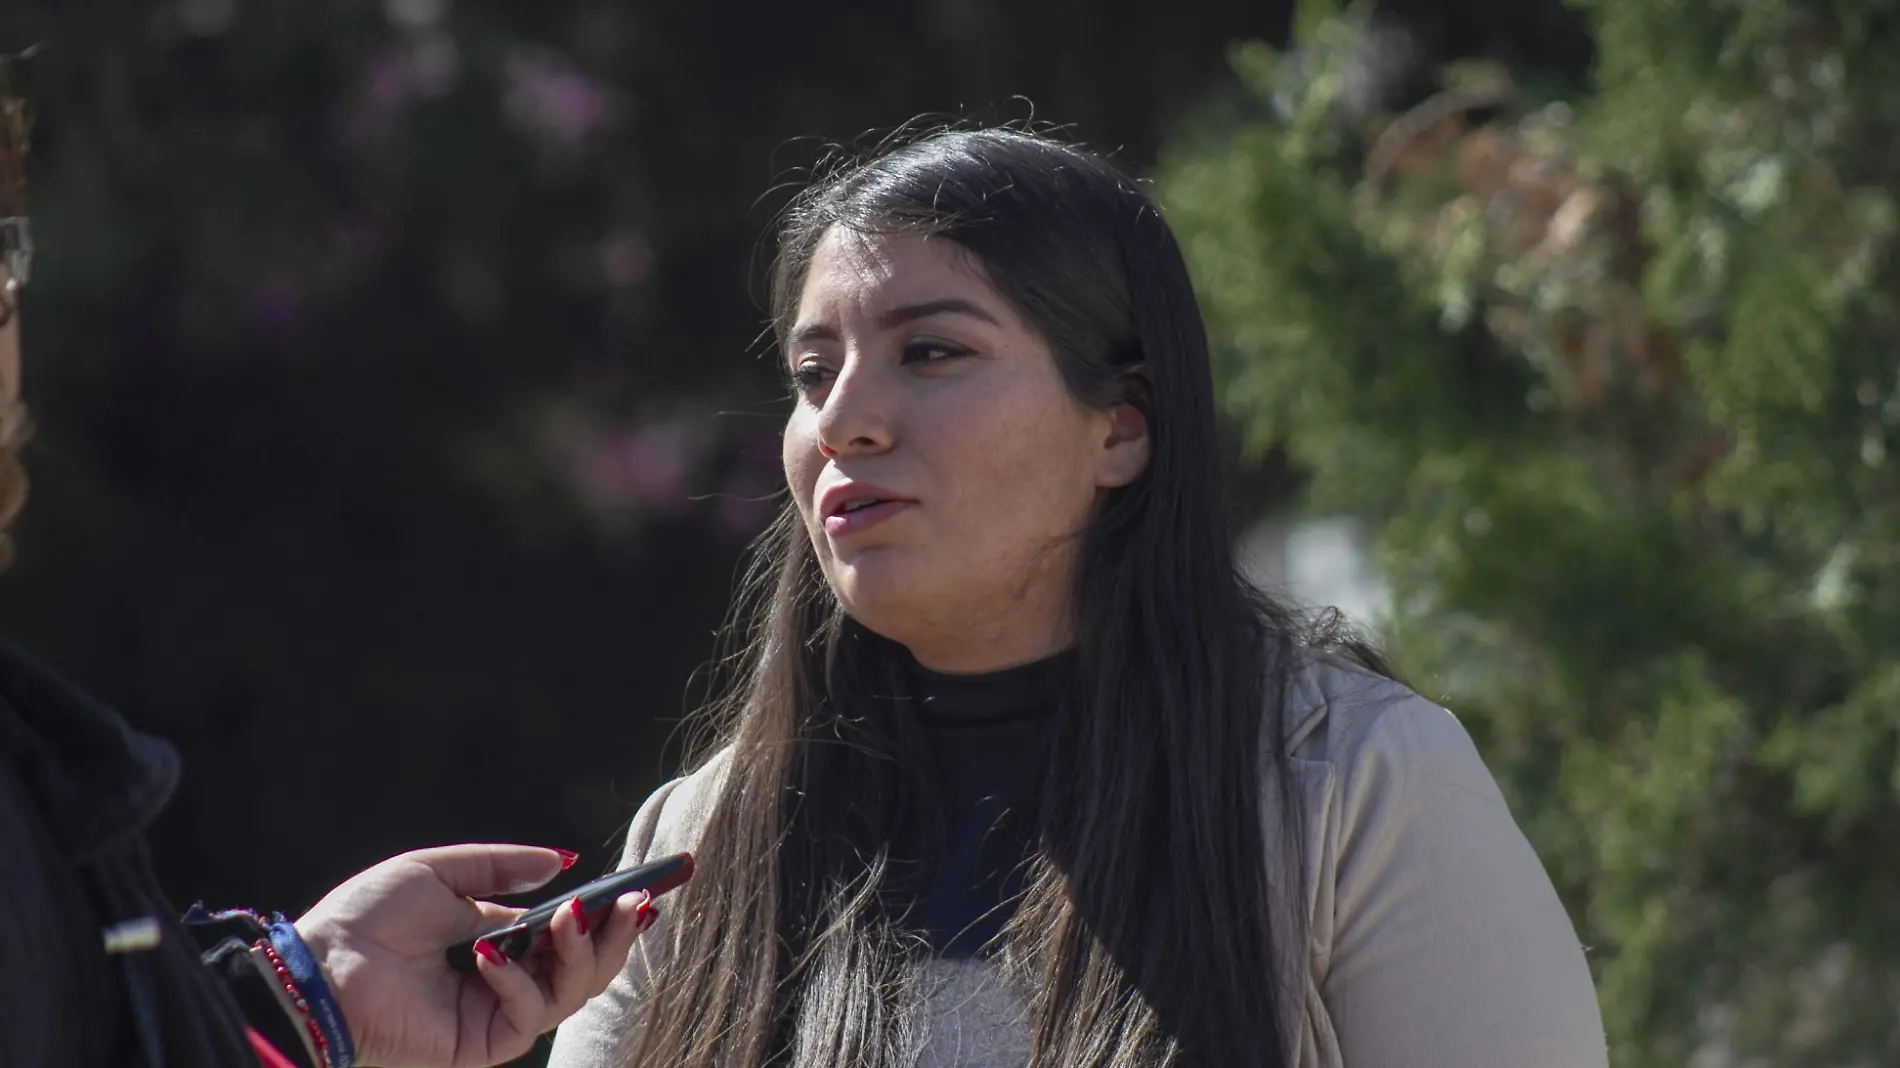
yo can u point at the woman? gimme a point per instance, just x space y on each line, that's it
97 970
1020 769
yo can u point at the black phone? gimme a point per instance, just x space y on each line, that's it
530 933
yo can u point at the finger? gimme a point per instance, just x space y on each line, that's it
631 915
485 917
481 870
571 971
497 915
521 1003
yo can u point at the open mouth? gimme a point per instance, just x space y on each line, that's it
854 515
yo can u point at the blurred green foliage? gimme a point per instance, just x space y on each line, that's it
1616 372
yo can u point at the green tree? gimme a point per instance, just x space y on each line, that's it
1617 378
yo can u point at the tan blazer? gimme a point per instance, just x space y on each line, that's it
1434 938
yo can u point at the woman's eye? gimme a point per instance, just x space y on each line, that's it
924 350
807 377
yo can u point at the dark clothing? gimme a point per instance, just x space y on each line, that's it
987 734
78 787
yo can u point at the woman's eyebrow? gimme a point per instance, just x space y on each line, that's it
924 309
896 317
810 332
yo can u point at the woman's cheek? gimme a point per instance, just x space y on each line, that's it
802 464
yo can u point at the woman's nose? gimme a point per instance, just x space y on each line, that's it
859 412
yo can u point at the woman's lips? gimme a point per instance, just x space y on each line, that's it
846 524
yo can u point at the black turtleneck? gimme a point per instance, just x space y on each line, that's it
987 735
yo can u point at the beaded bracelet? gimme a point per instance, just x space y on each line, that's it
293 1032
289 984
294 964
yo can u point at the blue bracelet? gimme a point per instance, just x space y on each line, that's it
309 979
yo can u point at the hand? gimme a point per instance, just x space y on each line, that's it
380 938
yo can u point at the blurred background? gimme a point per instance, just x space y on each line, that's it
403 416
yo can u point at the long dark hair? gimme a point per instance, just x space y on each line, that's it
1148 933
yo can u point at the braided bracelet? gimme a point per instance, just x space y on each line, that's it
297 999
295 962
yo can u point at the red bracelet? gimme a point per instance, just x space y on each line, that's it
296 998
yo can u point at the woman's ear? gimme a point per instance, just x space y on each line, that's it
1126 448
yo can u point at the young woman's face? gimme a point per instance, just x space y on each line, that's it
943 470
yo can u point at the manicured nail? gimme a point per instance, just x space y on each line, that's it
490 953
645 917
568 857
580 914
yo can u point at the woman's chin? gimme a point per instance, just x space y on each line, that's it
884 603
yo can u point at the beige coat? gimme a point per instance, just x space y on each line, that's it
1434 940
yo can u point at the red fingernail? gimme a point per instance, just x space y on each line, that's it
568 857
645 917
490 953
580 914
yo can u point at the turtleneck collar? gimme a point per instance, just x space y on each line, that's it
1028 689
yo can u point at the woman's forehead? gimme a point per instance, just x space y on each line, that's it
874 271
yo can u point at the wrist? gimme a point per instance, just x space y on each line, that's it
340 960
317 937
300 967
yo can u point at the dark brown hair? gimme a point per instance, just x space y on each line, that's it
1144 937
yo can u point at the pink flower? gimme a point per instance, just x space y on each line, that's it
551 100
394 80
626 470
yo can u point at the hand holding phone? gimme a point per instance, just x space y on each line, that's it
529 934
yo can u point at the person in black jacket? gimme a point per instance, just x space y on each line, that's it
97 969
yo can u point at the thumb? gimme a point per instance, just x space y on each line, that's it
487 870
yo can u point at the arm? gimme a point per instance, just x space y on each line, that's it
377 943
1450 948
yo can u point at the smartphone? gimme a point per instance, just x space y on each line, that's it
530 933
